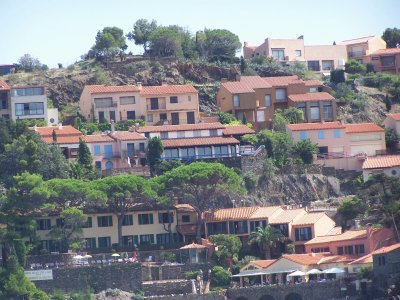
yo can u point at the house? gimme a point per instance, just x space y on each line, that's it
317 57
186 220
387 164
67 138
359 48
26 103
174 104
386 265
256 98
196 141
393 121
351 242
385 60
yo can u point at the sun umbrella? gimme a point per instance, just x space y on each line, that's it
87 256
334 271
115 255
78 257
296 273
314 271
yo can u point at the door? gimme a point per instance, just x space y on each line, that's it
131 149
109 167
153 103
112 115
101 117
175 118
190 117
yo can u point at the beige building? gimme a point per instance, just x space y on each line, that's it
360 47
388 165
174 104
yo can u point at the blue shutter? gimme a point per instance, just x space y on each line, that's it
303 135
321 134
108 151
96 149
337 134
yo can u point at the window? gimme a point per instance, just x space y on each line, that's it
163 117
29 109
187 152
128 240
359 249
141 147
348 250
108 151
145 219
236 102
313 90
394 172
173 99
96 149
337 133
213 132
130 149
128 220
104 242
318 250
328 111
313 65
88 223
165 218
43 224
260 116
127 100
185 218
221 151
302 107
90 243
189 98
149 118
59 222
267 99
104 221
278 54
181 134
327 65
112 115
204 151
197 133
97 165
153 103
238 227
233 150
387 61
164 135
216 228
381 260
321 134
33 91
303 234
340 250
284 228
4 104
103 102
102 118
255 224
297 53
131 115
146 238
314 111
171 153
166 238
303 135
280 95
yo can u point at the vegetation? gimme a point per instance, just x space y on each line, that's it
220 277
228 248
392 139
306 150
266 238
154 149
392 37
29 63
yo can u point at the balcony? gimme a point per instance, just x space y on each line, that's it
356 53
160 106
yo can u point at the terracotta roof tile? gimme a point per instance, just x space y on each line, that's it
378 162
315 126
321 96
263 263
347 235
387 249
363 127
193 246
305 259
237 129
98 138
265 212
98 89
184 207
127 136
48 131
236 87
387 51
4 86
62 140
313 82
395 117
168 90
212 119
255 82
287 216
181 127
336 259
366 259
335 230
280 80
202 141
239 213
309 218
356 40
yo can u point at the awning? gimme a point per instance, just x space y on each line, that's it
334 271
314 271
296 273
260 272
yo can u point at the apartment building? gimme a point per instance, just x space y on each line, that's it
171 104
26 103
197 141
385 60
319 58
257 98
359 48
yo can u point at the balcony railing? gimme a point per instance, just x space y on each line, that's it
156 107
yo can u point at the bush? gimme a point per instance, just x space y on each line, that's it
337 76
220 276
305 150
168 165
133 68
250 181
269 167
58 295
99 77
226 118
354 67
168 256
193 274
138 295
113 292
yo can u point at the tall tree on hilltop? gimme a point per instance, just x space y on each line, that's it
142 29
109 42
392 37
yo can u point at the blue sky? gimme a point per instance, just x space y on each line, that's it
62 30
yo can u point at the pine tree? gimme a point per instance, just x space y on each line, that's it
84 156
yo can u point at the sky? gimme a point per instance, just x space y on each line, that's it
60 31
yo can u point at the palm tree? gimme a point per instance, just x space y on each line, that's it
266 238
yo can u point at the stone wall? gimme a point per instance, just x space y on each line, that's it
189 297
311 291
125 277
167 272
167 287
253 164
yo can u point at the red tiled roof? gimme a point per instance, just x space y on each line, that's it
395 117
363 127
62 139
255 82
387 51
309 218
356 40
237 129
262 263
281 80
184 207
315 126
305 259
168 90
287 216
212 119
378 162
321 96
313 83
387 249
238 213
181 127
127 136
4 86
201 141
98 138
366 259
347 235
97 89
236 87
63 131
336 259
265 212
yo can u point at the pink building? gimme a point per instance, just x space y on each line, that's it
352 242
385 60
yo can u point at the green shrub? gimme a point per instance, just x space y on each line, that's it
138 295
133 68
193 274
226 118
220 276
269 167
58 295
354 67
99 77
250 181
337 76
168 256
113 292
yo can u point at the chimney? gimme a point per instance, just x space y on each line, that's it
237 77
139 84
35 127
60 126
112 127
